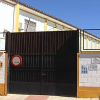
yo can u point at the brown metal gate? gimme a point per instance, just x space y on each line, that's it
49 63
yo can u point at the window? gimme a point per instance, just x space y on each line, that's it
29 26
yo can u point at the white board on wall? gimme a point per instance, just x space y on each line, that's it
2 44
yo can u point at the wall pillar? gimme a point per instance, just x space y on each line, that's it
45 25
77 75
63 28
16 28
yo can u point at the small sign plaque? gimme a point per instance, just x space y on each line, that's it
93 67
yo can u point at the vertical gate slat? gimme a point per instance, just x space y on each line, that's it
21 43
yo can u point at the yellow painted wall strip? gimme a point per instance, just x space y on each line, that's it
17 18
89 92
45 25
90 51
55 29
77 75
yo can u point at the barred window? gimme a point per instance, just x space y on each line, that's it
29 26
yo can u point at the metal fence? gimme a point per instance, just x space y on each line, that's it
94 32
91 39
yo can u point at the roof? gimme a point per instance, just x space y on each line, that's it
16 1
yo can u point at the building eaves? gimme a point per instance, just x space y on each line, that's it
32 8
23 4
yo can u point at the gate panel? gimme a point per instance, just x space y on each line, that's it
27 76
49 63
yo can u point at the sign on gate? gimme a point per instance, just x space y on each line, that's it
1 64
16 60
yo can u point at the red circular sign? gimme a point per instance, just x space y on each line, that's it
16 60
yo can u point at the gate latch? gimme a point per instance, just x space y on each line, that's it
43 74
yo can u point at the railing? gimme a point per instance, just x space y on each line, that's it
90 40
94 32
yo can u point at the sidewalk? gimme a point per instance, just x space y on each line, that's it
39 97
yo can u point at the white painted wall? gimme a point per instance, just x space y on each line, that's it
50 26
92 77
6 16
89 43
93 44
39 21
6 21
98 45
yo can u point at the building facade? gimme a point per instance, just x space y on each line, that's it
19 17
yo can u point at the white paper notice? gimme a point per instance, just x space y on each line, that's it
2 44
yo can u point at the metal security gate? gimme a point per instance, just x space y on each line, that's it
49 63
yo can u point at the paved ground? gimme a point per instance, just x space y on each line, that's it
39 97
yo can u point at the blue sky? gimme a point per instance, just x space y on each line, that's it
84 14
